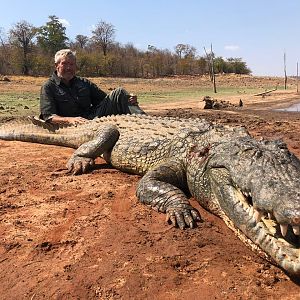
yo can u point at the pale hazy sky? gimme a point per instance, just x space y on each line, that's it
258 31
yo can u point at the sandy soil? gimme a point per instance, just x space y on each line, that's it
87 237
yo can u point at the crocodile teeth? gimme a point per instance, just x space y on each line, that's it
283 229
257 215
251 211
296 230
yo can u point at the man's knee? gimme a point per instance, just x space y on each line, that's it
121 96
119 93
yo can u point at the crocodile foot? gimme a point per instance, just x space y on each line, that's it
183 217
78 165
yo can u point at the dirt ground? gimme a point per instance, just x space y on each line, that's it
87 237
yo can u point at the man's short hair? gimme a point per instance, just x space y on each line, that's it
64 53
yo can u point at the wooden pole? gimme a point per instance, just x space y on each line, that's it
213 69
209 65
297 78
285 77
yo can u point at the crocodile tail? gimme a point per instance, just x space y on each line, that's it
33 132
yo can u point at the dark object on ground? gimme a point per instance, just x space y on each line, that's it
211 103
263 94
5 78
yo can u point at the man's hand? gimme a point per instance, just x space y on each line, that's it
133 100
76 120
68 120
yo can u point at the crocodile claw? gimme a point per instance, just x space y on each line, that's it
79 165
183 218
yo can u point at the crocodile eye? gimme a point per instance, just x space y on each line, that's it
258 154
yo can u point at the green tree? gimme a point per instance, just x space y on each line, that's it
237 66
220 65
21 36
52 36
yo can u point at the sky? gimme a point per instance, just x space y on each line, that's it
258 31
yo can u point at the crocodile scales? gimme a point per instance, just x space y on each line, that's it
254 186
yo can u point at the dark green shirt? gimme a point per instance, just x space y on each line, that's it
75 100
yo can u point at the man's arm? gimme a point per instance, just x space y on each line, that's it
47 102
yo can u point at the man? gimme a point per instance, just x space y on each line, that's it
68 99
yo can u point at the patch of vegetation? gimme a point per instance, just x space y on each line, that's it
19 104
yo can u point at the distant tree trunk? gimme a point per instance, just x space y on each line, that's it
25 68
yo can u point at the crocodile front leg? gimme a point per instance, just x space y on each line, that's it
83 158
162 189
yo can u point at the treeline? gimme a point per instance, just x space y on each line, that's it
29 50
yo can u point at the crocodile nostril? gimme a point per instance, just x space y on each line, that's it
296 220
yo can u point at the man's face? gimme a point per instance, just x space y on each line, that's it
66 68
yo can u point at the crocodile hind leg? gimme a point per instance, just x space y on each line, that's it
162 189
83 158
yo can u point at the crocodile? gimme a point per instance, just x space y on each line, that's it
253 185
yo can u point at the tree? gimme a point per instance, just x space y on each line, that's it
81 40
185 51
179 49
103 35
190 52
21 36
5 64
237 66
52 37
220 65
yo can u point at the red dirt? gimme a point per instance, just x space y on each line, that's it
87 237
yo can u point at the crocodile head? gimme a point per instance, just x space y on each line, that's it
255 187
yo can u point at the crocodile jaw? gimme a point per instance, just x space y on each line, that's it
215 191
260 232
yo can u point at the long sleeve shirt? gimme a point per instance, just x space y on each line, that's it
69 101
